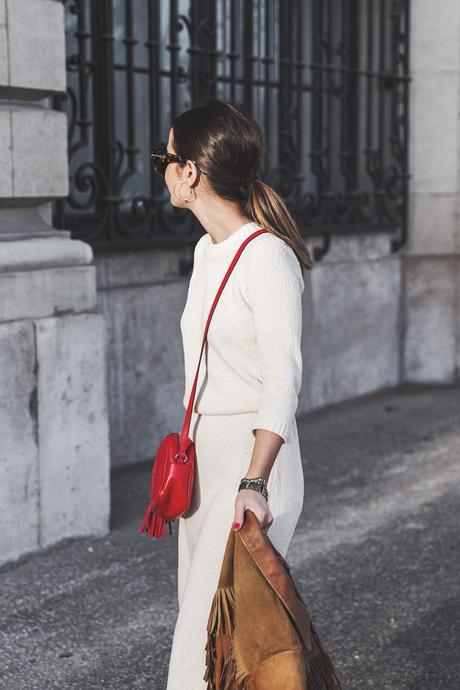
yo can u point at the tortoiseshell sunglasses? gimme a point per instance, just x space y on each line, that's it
161 159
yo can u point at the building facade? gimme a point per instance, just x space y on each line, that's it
359 104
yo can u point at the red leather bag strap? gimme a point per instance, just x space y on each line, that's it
188 414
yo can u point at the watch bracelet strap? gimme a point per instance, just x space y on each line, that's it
257 483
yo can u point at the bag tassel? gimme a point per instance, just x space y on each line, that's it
320 672
154 524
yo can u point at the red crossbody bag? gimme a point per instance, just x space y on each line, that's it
173 471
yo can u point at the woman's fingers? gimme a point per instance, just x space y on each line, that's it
267 523
248 498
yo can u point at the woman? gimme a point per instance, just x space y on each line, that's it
243 423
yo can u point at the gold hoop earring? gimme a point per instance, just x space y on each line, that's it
181 197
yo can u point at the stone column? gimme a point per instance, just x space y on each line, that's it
431 262
54 450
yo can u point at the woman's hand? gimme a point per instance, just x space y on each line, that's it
255 501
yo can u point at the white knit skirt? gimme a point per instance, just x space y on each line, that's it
224 445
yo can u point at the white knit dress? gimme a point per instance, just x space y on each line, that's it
250 377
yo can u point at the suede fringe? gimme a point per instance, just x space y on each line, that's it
320 673
319 669
221 624
234 672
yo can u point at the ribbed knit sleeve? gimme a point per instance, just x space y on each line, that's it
273 287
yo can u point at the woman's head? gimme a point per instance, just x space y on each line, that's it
224 149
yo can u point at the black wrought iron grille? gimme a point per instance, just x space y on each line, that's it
326 79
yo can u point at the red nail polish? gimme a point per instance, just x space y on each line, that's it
236 525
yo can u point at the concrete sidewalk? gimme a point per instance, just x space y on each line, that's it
376 557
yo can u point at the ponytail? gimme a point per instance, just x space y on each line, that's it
266 207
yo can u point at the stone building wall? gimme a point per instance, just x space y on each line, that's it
432 258
54 450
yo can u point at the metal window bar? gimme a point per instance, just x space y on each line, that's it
328 81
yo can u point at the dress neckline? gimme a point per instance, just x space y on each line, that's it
229 246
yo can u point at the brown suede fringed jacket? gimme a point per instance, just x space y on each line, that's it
260 635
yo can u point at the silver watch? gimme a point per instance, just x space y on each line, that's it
257 483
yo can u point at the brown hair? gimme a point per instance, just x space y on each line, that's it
229 145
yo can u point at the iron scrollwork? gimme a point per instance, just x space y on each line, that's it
327 79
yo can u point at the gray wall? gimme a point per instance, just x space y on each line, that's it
432 258
141 296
